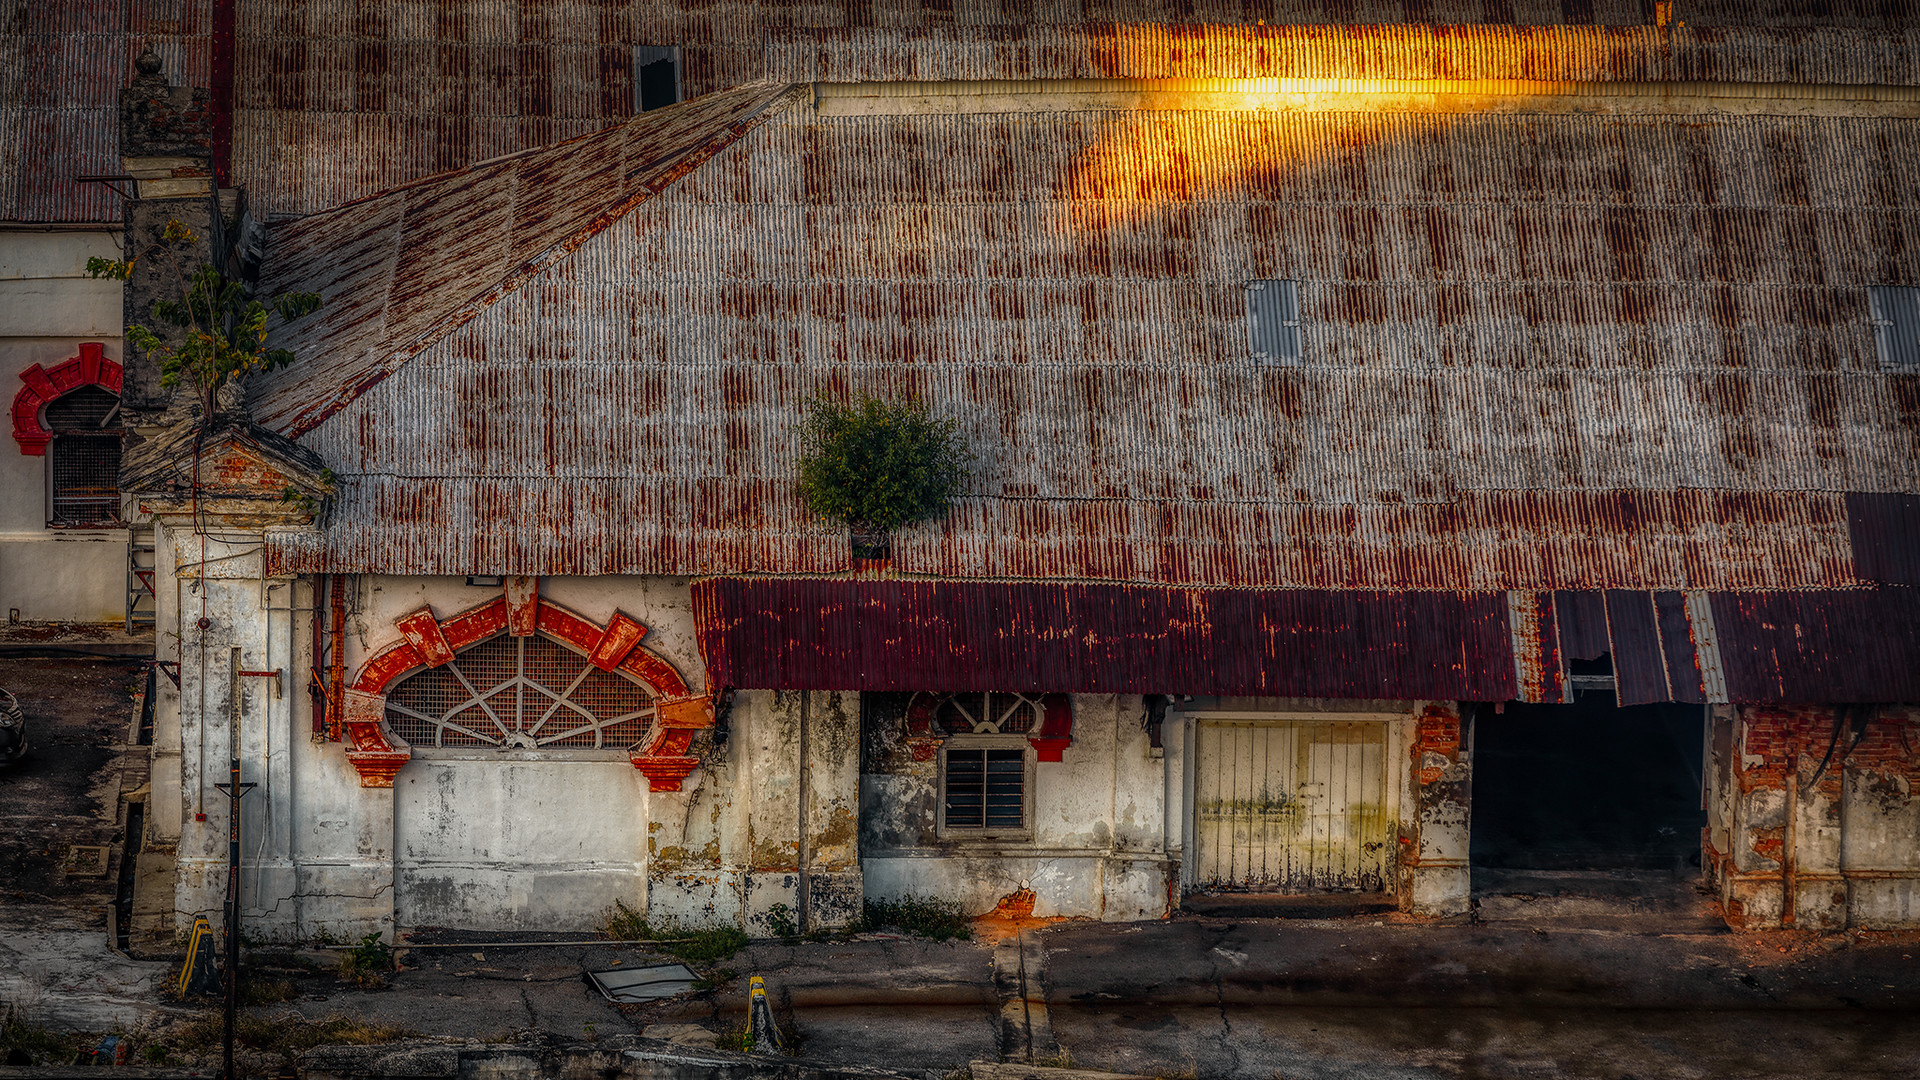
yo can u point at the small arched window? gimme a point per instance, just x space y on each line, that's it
520 693
85 458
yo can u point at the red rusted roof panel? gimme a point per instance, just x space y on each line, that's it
890 635
1860 645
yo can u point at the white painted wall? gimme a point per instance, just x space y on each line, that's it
48 306
527 840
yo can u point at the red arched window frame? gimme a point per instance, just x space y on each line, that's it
90 368
429 641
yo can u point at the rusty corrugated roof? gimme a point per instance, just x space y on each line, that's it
893 635
334 104
1543 352
399 271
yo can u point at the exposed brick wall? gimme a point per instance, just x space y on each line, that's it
1781 866
1434 831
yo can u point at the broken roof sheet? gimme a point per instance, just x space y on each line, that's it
1524 367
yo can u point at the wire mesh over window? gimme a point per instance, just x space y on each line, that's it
520 693
85 458
988 714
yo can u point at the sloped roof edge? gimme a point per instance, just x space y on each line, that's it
403 269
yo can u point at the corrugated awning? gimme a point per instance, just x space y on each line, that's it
822 634
897 635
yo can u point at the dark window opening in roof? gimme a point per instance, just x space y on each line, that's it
656 76
1896 325
85 459
1273 321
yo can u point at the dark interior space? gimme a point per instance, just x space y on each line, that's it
1587 786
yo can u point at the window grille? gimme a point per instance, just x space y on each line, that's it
986 789
511 693
85 458
1273 321
1896 324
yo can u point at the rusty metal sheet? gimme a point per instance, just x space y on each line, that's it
1859 645
398 271
410 90
1485 404
880 635
1885 530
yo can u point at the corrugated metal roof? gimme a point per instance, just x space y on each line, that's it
1820 646
403 269
62 64
1542 352
337 102
891 635
1857 646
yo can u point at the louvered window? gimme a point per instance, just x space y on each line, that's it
984 786
85 459
1896 324
520 693
1273 321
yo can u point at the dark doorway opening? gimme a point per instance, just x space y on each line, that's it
1588 786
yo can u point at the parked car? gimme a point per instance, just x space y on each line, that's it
13 729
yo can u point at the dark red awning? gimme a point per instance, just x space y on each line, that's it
911 635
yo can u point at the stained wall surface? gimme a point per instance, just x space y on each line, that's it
48 306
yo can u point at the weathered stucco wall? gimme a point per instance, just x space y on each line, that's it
1436 828
48 306
1813 817
1097 846
767 825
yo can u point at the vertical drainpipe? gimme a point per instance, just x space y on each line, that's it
805 893
1789 872
220 84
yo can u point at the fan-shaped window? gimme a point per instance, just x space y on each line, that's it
520 693
86 458
988 714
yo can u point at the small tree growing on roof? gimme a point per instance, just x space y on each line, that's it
877 465
222 329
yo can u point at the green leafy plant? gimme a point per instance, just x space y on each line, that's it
877 465
223 326
780 921
622 923
709 946
368 963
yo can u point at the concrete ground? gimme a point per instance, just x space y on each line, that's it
1556 973
1363 997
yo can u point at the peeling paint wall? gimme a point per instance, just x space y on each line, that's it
1436 829
1097 846
768 821
48 306
1813 820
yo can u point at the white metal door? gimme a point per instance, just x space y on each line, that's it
1290 805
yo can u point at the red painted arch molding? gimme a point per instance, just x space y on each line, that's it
90 368
427 641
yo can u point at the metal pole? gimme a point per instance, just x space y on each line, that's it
234 790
